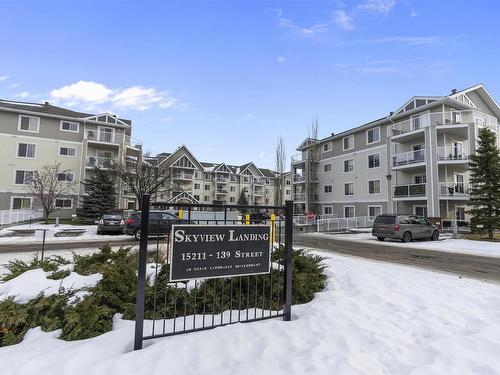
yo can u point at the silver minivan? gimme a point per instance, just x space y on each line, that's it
404 227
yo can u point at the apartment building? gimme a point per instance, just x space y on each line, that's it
413 161
194 181
33 135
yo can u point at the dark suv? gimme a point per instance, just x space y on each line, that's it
160 223
404 227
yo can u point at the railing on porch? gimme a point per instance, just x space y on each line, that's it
407 158
409 190
19 216
344 223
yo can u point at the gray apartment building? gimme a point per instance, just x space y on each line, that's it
415 160
33 135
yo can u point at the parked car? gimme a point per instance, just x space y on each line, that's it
258 218
404 227
160 223
110 223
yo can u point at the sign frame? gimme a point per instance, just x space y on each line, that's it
171 253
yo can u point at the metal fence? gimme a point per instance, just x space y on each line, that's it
18 216
165 308
344 223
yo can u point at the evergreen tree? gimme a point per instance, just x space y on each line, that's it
485 179
100 198
243 201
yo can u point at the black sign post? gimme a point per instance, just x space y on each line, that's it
212 251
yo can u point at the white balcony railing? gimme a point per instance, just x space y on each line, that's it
112 138
19 216
182 175
409 190
297 158
344 223
99 162
454 189
408 158
453 152
442 118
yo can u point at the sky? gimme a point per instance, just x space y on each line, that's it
228 78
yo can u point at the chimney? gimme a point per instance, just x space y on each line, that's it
333 134
453 91
46 103
391 113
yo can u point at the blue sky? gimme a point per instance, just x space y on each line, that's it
227 78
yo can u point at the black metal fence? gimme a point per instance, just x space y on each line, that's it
165 308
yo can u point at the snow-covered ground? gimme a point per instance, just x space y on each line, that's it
373 318
446 243
7 235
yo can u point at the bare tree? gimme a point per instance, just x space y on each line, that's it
141 177
280 165
312 158
50 183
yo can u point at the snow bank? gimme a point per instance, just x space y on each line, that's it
374 318
31 283
463 246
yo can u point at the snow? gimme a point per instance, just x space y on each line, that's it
7 236
31 283
373 318
447 244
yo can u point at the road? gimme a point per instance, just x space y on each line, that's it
33 247
478 267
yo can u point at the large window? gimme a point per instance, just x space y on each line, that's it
197 186
65 176
374 187
64 203
67 151
69 126
373 135
374 161
349 211
24 177
374 211
328 188
327 147
26 150
327 168
28 124
348 142
349 188
21 203
348 165
328 210
207 187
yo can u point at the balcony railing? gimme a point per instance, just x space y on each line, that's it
442 118
408 158
221 191
112 137
298 158
259 181
454 189
409 190
99 162
299 197
182 176
453 152
299 178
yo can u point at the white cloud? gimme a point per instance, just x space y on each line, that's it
378 6
91 94
281 60
23 94
413 12
262 154
286 23
342 19
14 85
411 40
3 78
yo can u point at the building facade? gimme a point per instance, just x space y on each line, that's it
414 161
35 135
194 181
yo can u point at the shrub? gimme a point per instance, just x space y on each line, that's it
17 267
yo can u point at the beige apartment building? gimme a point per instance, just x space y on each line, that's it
194 181
413 161
33 135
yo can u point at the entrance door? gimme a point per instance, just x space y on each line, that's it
460 213
457 150
420 210
459 183
418 153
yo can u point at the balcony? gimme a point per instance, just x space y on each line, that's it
299 197
458 153
410 158
182 176
458 190
220 191
298 158
299 178
221 179
99 162
259 181
409 191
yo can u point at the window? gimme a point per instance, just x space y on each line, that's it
206 198
64 203
207 187
327 167
349 188
196 174
68 126
420 210
208 176
374 211
348 142
65 176
372 135
422 179
374 161
287 191
232 199
245 179
328 188
67 151
20 203
328 210
28 124
26 150
24 177
232 189
374 187
268 182
197 186
327 147
288 182
349 211
197 197
106 134
233 178
348 165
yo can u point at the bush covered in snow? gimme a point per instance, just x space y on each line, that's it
88 312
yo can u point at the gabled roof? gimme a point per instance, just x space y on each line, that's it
306 143
416 102
246 166
267 172
483 94
173 157
221 167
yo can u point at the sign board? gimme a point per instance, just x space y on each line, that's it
211 251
